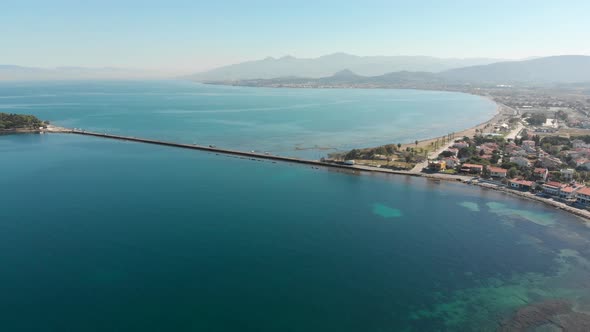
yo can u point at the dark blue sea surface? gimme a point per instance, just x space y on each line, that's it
100 235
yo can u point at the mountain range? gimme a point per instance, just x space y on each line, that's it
553 69
349 69
329 64
547 70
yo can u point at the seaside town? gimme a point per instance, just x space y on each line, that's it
536 147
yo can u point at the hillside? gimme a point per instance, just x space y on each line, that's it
539 71
554 69
327 65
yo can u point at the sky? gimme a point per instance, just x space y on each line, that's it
191 36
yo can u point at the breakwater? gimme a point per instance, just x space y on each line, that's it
266 156
254 155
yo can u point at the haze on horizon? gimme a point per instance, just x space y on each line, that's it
181 37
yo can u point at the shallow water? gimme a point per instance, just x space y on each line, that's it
97 234
306 123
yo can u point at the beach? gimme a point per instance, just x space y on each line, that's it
503 112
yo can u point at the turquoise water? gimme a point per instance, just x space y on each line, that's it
99 235
306 123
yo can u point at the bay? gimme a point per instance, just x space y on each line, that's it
102 235
306 123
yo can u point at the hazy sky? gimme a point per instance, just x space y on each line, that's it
200 34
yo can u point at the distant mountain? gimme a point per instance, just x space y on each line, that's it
347 78
327 65
554 69
343 76
538 71
19 73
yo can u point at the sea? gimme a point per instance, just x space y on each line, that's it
103 235
306 123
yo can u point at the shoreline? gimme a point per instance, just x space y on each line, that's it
463 179
583 214
501 112
20 131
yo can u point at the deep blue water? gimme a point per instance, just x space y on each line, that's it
293 122
99 235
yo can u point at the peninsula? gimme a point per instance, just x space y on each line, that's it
20 123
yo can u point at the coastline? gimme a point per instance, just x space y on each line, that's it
20 131
501 112
501 109
464 179
583 214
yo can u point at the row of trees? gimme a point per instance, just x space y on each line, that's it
19 121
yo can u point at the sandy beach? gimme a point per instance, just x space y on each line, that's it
503 112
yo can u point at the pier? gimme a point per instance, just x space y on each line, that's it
210 148
256 155
585 215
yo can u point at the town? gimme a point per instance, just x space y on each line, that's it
552 167
535 147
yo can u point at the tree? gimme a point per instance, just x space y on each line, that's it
381 150
509 165
495 157
485 173
537 119
465 152
446 154
512 172
585 138
399 145
19 121
527 174
352 154
416 142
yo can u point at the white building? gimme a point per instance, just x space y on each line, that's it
583 196
520 161
550 162
529 146
451 162
497 172
567 174
579 144
460 145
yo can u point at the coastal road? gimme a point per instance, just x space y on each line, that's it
432 155
512 135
